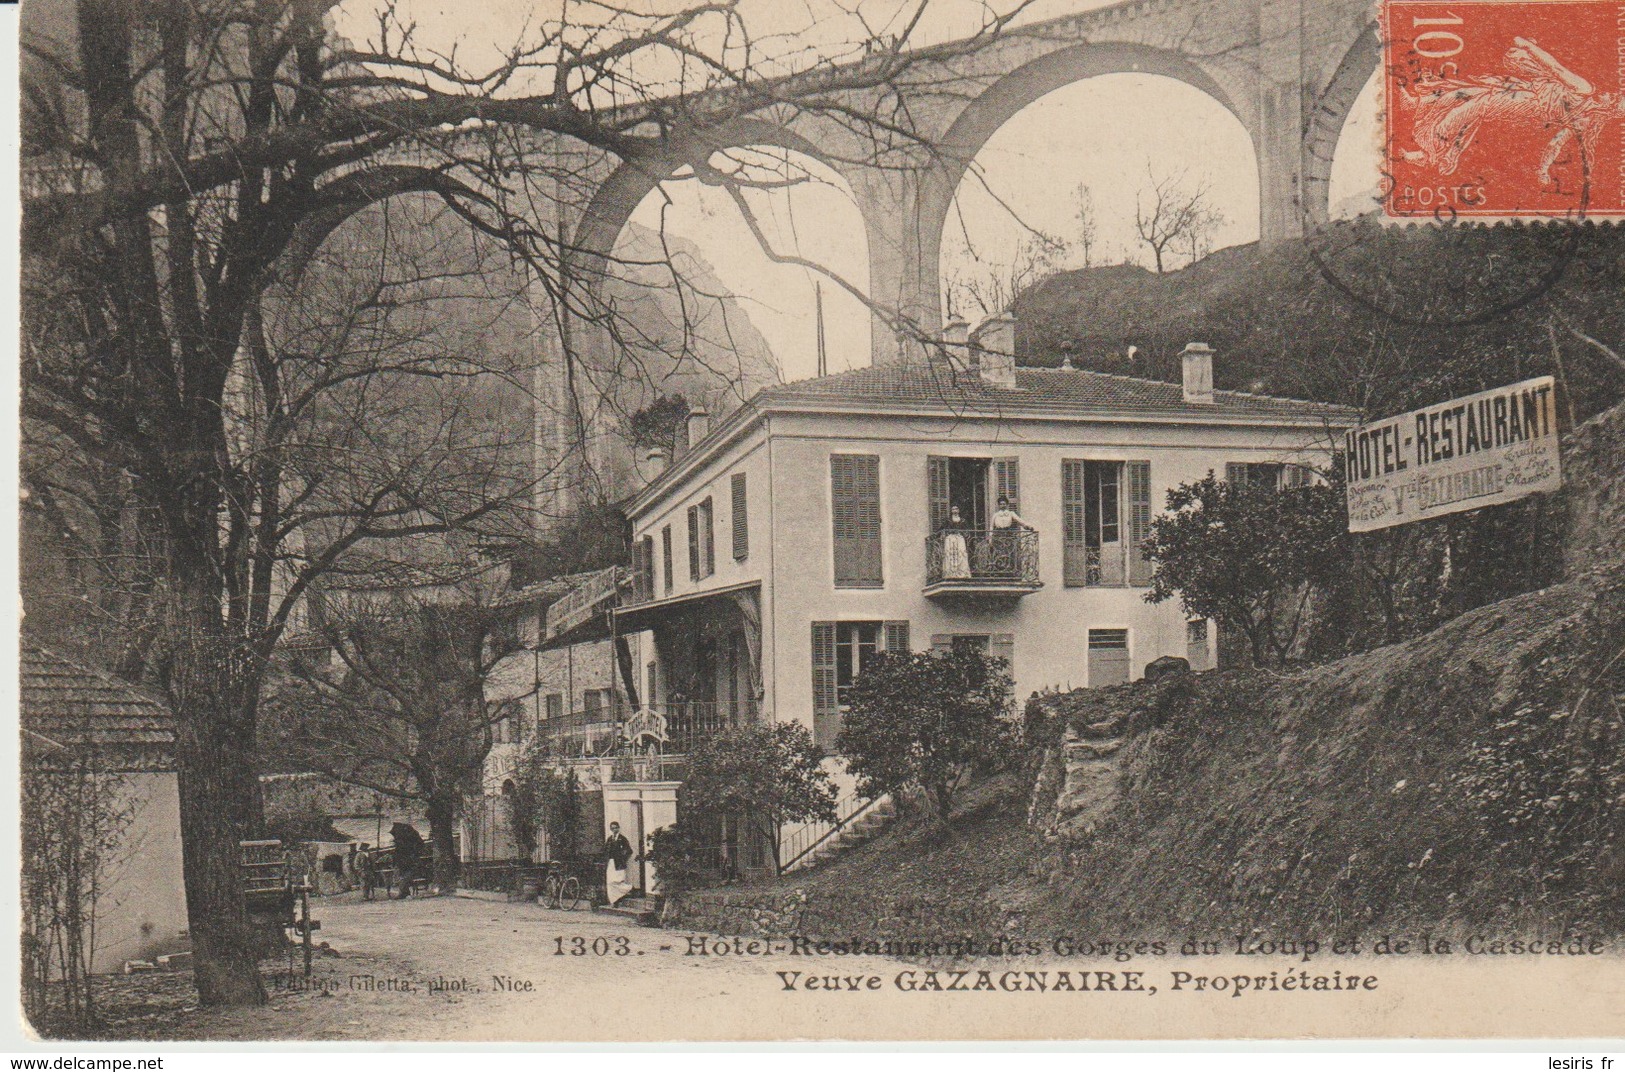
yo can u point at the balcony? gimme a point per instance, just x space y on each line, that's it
972 562
664 729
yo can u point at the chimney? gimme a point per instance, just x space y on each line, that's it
994 342
1197 360
652 465
956 342
699 425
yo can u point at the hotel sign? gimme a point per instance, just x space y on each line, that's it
1493 447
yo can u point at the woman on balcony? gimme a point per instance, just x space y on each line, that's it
955 559
1007 527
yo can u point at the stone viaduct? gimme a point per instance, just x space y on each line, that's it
1288 70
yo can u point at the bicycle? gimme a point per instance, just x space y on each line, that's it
559 889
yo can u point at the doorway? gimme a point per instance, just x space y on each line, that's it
967 489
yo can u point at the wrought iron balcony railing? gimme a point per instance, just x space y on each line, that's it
673 729
977 560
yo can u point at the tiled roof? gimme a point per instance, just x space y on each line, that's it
938 384
75 707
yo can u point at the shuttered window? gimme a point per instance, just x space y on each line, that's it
643 568
996 645
1254 474
740 518
1108 657
840 652
1007 482
693 543
936 492
826 707
1139 522
855 498
702 547
1198 652
708 537
666 561
1074 551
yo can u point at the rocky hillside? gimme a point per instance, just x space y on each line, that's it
1378 318
1473 777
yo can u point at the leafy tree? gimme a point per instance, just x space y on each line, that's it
920 721
545 801
661 424
1250 557
767 774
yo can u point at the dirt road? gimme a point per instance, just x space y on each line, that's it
458 969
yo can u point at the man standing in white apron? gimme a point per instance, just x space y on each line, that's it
617 855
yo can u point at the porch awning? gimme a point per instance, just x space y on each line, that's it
642 616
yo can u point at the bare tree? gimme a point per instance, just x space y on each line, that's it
994 288
183 160
1173 214
1088 225
398 704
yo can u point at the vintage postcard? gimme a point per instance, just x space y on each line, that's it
870 520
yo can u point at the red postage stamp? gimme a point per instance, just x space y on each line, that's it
1504 109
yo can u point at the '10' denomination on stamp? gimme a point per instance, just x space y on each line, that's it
1504 110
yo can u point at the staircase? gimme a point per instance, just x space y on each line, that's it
642 910
1091 764
845 837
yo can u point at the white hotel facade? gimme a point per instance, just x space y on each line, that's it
802 534
805 532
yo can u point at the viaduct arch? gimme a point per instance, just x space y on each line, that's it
1288 70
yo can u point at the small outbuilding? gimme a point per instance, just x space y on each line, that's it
76 718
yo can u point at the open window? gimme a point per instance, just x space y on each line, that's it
1106 514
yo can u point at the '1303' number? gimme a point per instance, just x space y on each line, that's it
618 946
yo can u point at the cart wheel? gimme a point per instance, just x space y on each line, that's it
570 892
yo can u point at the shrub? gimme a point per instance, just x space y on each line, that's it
765 774
1250 557
920 721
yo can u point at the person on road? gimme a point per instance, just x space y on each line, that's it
408 856
617 855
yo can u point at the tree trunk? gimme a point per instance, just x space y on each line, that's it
212 691
442 825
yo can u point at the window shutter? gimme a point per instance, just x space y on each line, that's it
942 642
1007 481
896 640
1139 522
1295 476
708 538
936 491
826 706
693 543
1074 552
1235 473
741 522
665 547
1003 646
855 496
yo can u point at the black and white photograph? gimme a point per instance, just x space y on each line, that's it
777 521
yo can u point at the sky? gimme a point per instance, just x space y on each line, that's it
1110 134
